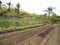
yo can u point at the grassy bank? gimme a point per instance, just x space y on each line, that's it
14 24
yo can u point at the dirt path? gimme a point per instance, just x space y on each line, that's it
21 37
54 38
58 36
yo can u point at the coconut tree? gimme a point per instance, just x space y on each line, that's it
18 7
49 12
9 6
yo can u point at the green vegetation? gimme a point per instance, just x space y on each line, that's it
9 6
10 24
21 18
17 6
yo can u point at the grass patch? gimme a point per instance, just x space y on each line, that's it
14 24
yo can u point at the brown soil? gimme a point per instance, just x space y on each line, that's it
9 31
26 38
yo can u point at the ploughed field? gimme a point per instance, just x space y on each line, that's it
40 35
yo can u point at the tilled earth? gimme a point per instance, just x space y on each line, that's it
33 36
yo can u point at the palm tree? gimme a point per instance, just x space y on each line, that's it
49 12
9 6
18 7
